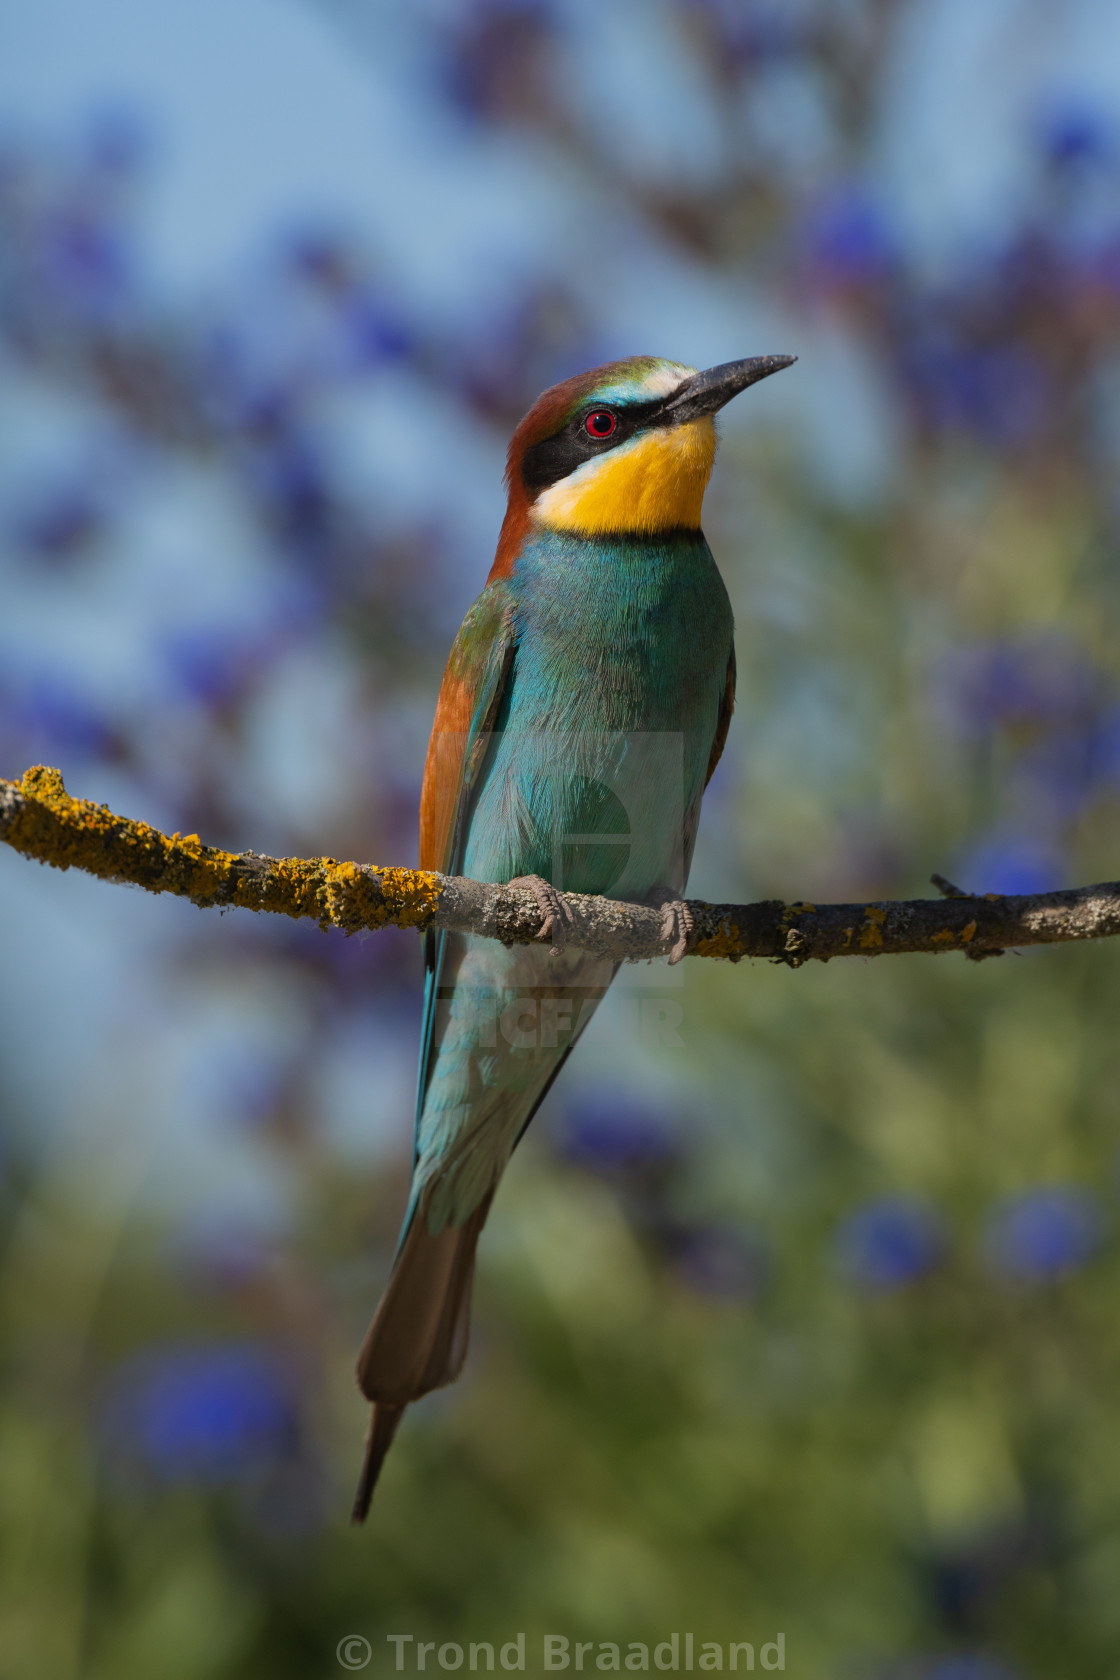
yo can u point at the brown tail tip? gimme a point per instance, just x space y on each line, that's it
382 1428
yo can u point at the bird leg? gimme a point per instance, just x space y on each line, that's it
677 922
556 918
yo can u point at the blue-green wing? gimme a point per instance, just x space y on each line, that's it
474 684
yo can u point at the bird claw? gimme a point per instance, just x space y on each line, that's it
677 924
556 917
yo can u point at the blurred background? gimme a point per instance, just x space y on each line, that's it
799 1309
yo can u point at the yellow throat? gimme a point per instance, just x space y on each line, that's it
655 482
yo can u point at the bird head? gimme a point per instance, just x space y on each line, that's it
623 449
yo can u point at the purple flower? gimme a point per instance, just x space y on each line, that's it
890 1242
614 1133
208 1413
214 666
1035 682
1106 745
756 33
324 263
1011 862
87 262
1011 394
999 392
1058 775
55 719
1056 716
498 64
847 241
375 331
1042 1234
295 495
60 524
1072 135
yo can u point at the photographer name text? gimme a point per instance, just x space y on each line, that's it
680 1652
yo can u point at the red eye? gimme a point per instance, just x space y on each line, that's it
600 424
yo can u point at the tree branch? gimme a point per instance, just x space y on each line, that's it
40 819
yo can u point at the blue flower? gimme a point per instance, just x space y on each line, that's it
847 240
611 1133
1012 863
209 1413
57 719
1072 135
890 1242
497 64
999 392
376 333
1105 747
1042 1234
756 33
1056 718
212 665
294 491
62 523
1032 682
88 264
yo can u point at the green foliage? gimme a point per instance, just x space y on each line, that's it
837 1356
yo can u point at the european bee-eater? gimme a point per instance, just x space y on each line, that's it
585 704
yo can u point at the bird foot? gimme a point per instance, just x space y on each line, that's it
556 918
677 921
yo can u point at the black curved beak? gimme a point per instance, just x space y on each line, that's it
708 391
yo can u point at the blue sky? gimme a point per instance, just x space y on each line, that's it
268 116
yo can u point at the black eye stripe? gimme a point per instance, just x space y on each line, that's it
554 458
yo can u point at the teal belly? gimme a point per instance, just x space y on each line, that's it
592 779
600 752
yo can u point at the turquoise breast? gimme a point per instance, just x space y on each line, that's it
599 754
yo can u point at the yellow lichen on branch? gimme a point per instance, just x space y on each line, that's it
871 938
47 823
40 819
358 898
69 833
